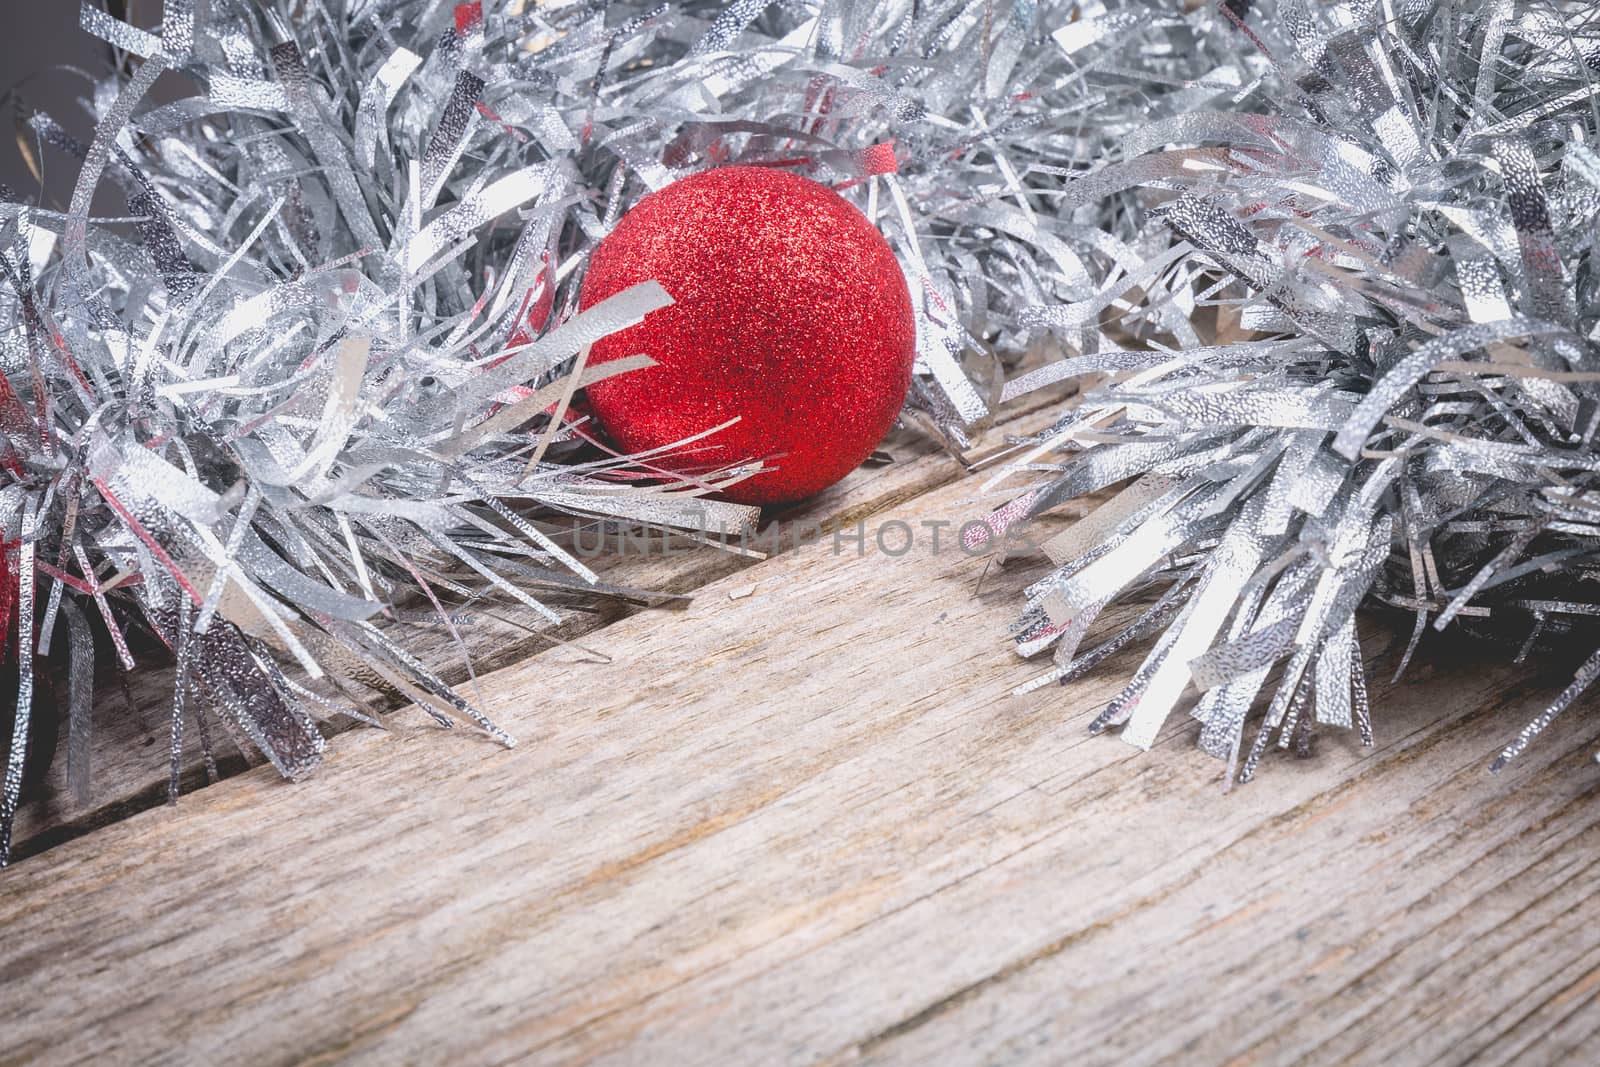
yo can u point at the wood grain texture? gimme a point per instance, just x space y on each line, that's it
803 822
129 754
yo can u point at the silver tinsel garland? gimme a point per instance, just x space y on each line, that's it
322 364
1395 206
302 381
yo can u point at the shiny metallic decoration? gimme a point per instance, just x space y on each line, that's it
1390 212
312 380
317 370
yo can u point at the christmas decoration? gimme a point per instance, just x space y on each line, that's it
321 364
790 314
38 724
1397 206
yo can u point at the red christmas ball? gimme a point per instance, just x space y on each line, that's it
790 312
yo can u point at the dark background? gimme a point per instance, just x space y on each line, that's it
36 38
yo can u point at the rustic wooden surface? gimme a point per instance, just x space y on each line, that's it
129 751
802 821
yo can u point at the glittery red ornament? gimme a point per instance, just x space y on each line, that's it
790 313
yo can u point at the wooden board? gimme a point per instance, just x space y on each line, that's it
129 759
802 821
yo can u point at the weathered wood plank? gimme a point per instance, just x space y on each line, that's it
802 821
129 753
